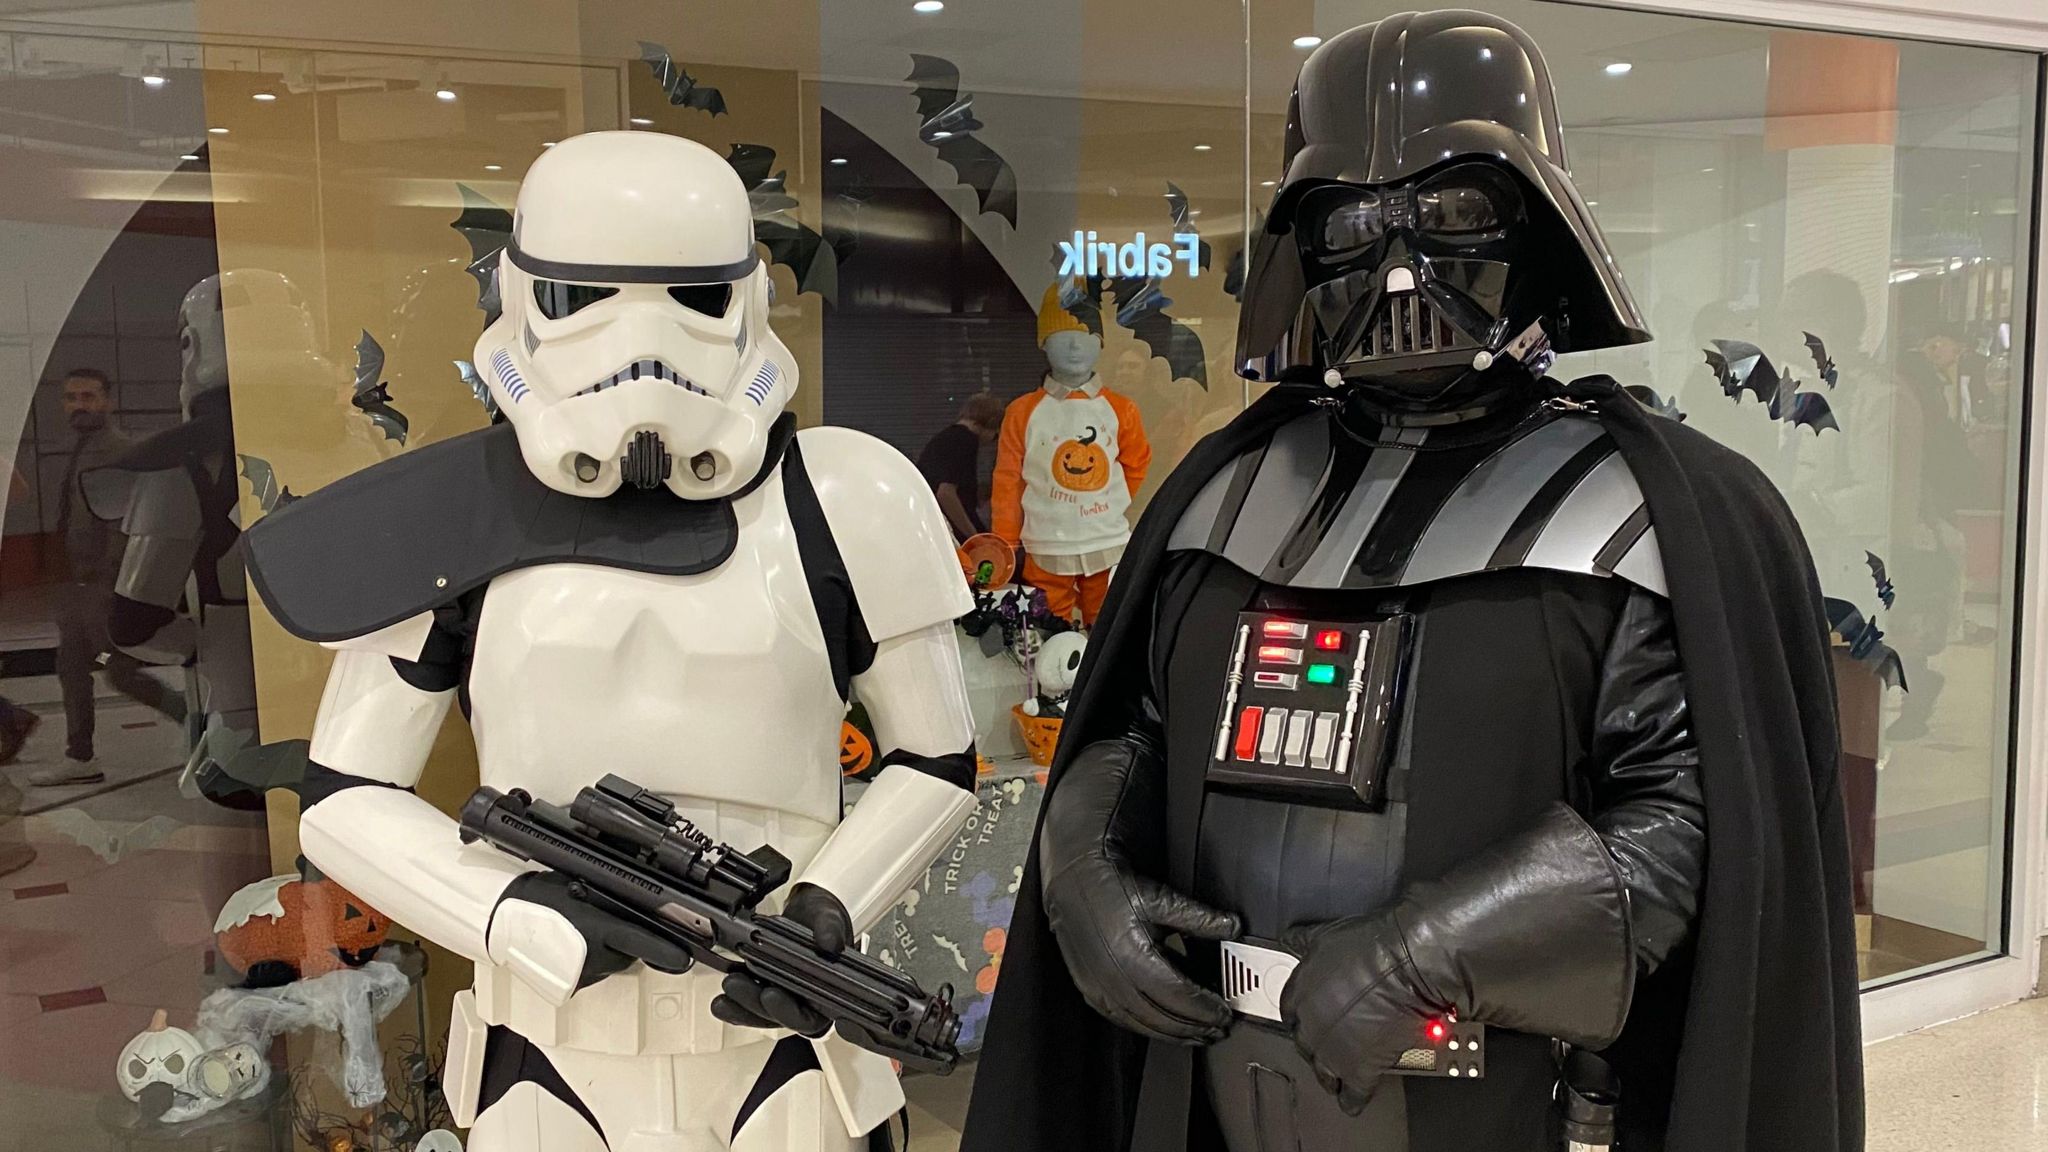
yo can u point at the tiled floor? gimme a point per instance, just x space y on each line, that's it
1979 1085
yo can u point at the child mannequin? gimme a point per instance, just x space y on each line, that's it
1071 456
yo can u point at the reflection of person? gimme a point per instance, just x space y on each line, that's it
1931 480
951 463
722 576
1071 457
92 556
1388 719
16 722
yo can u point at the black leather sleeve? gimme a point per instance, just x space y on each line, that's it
1643 782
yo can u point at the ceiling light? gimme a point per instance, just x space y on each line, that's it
928 6
1307 41
264 97
1620 68
1706 170
444 93
494 167
839 159
547 143
941 134
1486 53
642 121
1592 203
1267 183
218 131
189 156
151 80
1201 147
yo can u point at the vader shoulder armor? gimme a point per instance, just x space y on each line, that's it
1313 507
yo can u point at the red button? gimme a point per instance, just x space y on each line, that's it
1248 733
1330 640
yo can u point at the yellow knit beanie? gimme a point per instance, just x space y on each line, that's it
1053 317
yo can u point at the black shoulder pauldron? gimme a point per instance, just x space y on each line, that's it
394 540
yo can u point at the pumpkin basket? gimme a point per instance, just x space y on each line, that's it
1041 734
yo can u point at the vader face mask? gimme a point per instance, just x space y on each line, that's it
634 348
1427 247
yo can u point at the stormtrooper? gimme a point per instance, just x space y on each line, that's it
1455 740
644 570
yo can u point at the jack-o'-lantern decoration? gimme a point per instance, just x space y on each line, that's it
159 1054
856 751
283 929
1081 465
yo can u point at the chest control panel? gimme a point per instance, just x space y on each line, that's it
1310 707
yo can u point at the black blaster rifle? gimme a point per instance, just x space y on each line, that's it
626 851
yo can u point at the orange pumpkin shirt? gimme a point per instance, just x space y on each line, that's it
1068 463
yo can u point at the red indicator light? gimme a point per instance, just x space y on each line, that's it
1329 640
1278 654
1284 629
1436 1031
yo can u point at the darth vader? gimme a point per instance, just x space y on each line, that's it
1454 765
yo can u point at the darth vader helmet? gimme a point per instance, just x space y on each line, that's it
634 348
1425 245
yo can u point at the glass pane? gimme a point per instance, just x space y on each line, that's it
1858 209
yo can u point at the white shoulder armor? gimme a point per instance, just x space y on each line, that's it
890 533
403 640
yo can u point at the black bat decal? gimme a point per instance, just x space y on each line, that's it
373 395
488 228
1141 307
1808 409
946 122
1885 592
477 388
1655 402
790 242
263 485
1184 221
682 88
1866 642
1743 367
1822 362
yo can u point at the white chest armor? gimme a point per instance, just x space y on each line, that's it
715 689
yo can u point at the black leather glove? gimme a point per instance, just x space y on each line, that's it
748 1003
1531 935
1108 917
611 944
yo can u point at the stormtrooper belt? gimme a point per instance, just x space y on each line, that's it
1253 975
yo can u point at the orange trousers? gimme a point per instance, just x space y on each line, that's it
1065 593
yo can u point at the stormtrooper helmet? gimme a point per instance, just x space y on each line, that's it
272 322
634 348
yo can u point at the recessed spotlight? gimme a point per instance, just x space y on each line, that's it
1422 85
928 6
494 167
1486 53
839 160
1705 170
1620 68
152 80
264 97
445 94
642 121
218 131
1307 41
189 156
1201 147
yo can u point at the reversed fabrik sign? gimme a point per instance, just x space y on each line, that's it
1086 255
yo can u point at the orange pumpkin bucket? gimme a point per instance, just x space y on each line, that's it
1041 734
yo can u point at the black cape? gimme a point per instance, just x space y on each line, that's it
1771 1050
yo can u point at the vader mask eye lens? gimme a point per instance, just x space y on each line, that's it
709 299
1457 209
1352 225
557 298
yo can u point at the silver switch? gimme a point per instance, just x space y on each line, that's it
1298 722
1322 740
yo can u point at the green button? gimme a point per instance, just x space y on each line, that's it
1322 673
